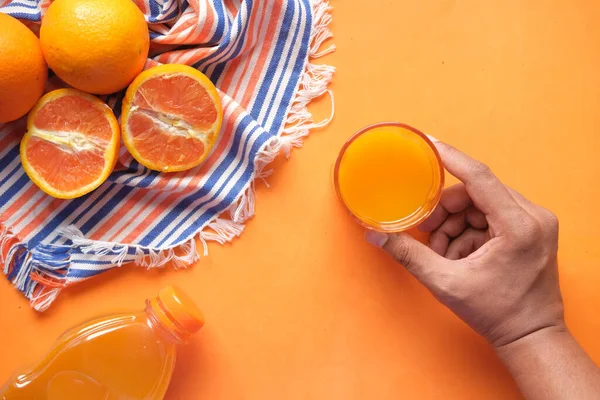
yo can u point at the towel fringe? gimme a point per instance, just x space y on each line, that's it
181 255
37 273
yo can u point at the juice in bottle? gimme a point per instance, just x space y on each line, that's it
389 176
126 356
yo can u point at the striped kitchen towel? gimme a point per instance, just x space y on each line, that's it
258 54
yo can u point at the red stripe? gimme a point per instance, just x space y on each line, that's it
264 54
231 7
120 212
39 219
208 23
159 188
16 206
134 216
233 65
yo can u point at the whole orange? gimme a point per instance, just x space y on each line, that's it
97 46
23 71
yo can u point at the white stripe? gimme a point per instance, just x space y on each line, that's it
256 54
216 22
201 19
132 225
252 26
19 193
147 6
32 215
14 9
127 218
274 79
251 58
8 148
169 36
235 36
79 262
26 207
11 181
292 58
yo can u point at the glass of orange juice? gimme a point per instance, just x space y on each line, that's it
389 176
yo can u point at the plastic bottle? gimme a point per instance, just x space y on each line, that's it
126 356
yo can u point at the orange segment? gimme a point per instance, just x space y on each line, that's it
171 118
71 143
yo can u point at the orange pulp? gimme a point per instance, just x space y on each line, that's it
128 356
389 176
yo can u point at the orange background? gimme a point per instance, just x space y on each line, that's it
300 307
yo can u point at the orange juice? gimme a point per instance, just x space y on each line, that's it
127 356
389 176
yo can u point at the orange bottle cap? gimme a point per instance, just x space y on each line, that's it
180 309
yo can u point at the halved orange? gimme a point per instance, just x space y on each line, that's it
71 143
171 117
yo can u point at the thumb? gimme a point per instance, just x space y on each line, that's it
425 264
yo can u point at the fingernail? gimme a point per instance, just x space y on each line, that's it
433 138
377 239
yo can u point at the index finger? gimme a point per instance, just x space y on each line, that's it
487 192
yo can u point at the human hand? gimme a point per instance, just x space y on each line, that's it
491 257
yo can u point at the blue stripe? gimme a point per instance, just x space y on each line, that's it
84 273
154 9
222 44
19 15
218 70
10 175
14 189
285 66
91 262
298 69
9 157
114 201
173 14
221 20
7 7
275 60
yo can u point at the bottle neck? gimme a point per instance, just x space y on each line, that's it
163 327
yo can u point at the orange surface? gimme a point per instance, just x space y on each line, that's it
300 307
388 174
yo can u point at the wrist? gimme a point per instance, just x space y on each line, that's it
528 343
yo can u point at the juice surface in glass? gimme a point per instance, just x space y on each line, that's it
389 176
127 356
